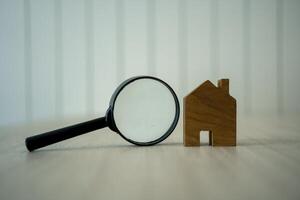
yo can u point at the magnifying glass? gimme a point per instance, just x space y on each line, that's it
144 110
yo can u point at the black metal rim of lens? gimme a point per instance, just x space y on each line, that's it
110 113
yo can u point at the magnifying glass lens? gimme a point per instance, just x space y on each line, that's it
144 110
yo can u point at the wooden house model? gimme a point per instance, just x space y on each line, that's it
213 109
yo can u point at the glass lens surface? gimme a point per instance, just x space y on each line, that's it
144 110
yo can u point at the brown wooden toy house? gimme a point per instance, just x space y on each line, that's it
210 108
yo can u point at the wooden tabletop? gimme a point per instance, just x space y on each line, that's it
101 165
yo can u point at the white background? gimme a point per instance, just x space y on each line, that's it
62 59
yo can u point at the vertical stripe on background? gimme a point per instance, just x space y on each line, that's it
58 59
90 66
28 60
182 45
151 37
247 57
214 40
279 56
120 29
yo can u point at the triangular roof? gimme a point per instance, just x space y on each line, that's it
208 85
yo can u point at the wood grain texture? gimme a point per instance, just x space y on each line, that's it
101 165
210 108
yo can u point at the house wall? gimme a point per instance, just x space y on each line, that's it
62 59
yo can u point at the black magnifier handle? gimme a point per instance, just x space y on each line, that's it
51 137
